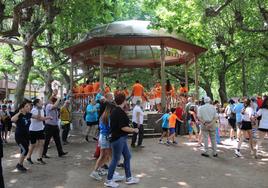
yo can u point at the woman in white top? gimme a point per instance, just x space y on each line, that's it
263 127
37 136
246 128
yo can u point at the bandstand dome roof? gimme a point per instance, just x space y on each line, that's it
132 44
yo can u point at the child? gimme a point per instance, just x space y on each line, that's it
165 127
172 126
223 122
193 124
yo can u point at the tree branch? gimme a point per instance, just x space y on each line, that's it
234 62
17 16
11 41
14 64
213 12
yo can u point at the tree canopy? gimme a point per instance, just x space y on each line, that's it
234 32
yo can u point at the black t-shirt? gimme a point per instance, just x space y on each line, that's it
1 147
119 119
23 124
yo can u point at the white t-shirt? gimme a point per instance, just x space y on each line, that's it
134 114
247 114
264 118
36 125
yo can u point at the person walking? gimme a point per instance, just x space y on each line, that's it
37 134
22 118
52 128
91 118
231 116
105 146
246 128
65 119
119 131
263 127
207 116
137 121
2 184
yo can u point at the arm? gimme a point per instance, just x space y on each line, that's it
130 130
159 119
16 117
55 106
41 118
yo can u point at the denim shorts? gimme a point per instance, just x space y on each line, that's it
172 130
104 142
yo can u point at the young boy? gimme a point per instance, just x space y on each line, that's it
165 126
172 126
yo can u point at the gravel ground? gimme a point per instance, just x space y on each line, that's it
157 165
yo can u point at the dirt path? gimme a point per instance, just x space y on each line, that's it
158 166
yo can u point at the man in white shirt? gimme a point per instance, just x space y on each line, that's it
207 116
137 121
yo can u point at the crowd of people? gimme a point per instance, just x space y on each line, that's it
245 119
108 123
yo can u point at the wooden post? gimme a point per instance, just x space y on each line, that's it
101 68
196 78
163 79
71 85
186 74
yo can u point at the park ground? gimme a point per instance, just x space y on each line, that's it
157 165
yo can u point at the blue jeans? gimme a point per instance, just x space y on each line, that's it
119 147
218 138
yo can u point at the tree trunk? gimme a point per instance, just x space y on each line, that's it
24 73
6 85
48 86
222 88
30 88
207 88
244 78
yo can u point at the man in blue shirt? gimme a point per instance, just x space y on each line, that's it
238 109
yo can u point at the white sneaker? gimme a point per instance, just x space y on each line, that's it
132 180
103 172
117 177
237 153
111 183
95 175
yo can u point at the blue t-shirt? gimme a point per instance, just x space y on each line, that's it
165 120
104 129
92 113
98 97
238 109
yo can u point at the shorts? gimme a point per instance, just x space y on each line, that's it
6 127
263 130
152 102
136 98
232 123
104 142
157 100
238 125
172 130
193 128
246 125
92 123
36 135
164 129
189 127
23 143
